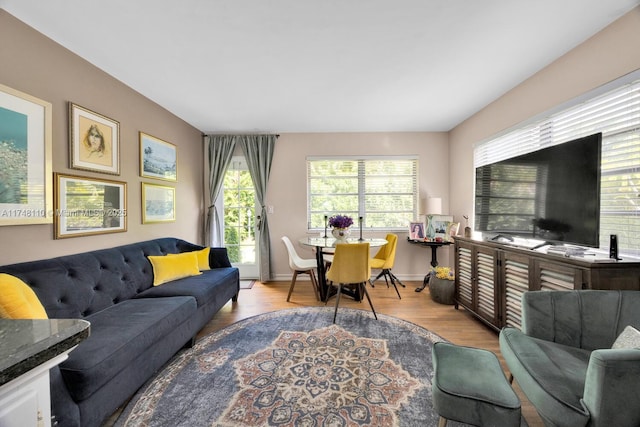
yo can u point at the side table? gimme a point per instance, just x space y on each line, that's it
434 257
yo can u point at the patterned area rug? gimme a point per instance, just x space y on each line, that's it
295 368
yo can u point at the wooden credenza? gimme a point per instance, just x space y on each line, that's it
491 277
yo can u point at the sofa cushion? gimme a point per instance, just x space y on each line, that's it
18 301
553 374
205 288
173 266
119 334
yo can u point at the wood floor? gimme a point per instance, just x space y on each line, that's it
456 326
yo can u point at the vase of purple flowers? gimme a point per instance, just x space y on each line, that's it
340 227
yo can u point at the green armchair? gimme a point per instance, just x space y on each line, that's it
563 361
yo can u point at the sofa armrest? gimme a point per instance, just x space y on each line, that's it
219 258
612 388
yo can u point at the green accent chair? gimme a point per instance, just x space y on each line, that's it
563 360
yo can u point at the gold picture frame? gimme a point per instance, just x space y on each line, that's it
26 186
87 206
158 203
158 158
94 141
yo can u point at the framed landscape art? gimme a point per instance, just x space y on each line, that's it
26 186
94 141
87 206
158 203
158 158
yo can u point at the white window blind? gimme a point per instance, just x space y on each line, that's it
383 190
617 115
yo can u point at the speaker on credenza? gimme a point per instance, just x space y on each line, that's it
613 246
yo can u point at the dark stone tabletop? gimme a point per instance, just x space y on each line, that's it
26 344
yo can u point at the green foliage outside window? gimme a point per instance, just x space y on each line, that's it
381 190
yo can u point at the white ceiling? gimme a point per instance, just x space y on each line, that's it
320 66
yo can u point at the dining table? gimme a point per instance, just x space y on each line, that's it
323 245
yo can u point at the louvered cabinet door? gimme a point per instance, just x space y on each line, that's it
550 276
486 278
464 276
516 282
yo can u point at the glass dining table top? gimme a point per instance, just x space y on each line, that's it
330 242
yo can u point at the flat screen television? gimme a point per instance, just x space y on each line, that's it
552 194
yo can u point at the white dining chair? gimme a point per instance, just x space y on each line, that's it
300 265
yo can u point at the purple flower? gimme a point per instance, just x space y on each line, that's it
340 221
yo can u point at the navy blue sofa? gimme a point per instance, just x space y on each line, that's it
135 327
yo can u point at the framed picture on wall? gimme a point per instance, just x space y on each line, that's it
26 187
87 206
158 158
94 141
158 203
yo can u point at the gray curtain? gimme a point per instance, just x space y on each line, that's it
220 152
258 150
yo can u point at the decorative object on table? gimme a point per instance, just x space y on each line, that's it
26 184
416 231
360 224
246 359
158 158
441 285
467 229
158 203
325 227
340 227
452 231
432 206
437 227
94 141
87 206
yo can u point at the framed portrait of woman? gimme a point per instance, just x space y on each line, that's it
416 231
94 141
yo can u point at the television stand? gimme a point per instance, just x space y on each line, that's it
491 276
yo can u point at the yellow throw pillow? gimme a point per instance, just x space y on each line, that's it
18 301
203 258
176 266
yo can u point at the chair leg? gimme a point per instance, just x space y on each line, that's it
335 312
314 283
364 288
393 282
293 283
377 277
394 277
442 422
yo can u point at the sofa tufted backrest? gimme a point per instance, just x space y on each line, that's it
75 286
588 319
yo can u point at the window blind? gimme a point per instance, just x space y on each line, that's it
617 115
383 190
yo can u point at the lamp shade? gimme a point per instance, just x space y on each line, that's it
433 206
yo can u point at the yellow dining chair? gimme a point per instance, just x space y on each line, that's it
384 260
300 265
350 268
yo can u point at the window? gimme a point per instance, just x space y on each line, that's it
381 190
616 114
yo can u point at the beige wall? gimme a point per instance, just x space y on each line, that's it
287 191
34 64
610 54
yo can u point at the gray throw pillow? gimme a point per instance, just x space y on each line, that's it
629 338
